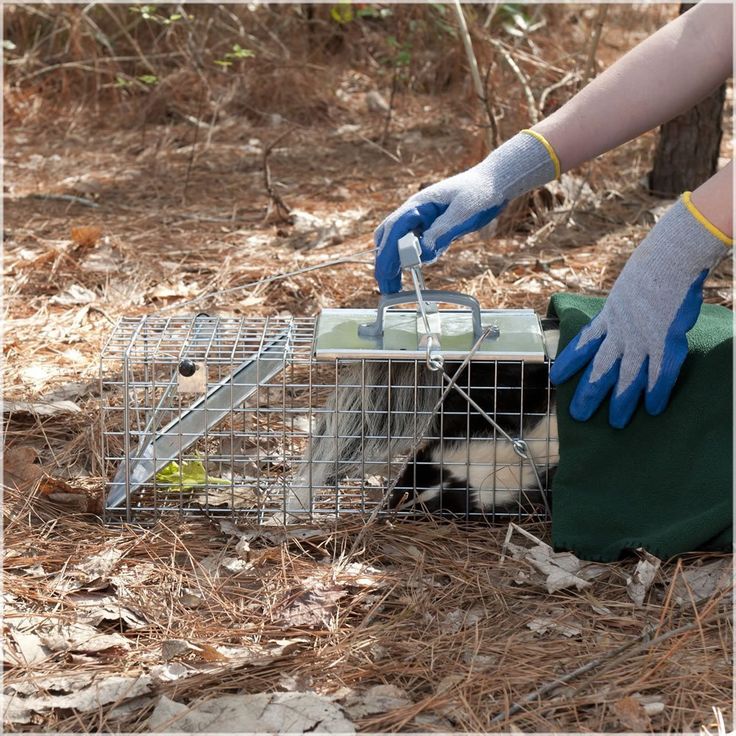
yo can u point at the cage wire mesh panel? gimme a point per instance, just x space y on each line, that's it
222 415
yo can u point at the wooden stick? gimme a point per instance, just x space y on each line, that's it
283 211
474 71
531 103
590 67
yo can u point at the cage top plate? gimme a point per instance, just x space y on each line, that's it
520 335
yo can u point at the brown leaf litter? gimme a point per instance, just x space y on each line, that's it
401 627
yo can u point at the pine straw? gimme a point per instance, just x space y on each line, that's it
183 212
439 616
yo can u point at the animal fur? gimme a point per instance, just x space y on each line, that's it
381 410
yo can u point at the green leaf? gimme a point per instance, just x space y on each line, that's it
122 81
187 475
239 52
150 79
342 13
403 58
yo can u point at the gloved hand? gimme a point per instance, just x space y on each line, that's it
463 203
638 341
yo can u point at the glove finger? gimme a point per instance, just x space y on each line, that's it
624 402
388 265
455 223
662 381
575 356
591 392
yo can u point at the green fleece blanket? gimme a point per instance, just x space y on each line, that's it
663 483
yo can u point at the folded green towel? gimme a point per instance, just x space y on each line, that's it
664 483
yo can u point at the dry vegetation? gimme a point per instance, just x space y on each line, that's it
142 175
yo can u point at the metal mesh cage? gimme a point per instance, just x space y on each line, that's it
237 416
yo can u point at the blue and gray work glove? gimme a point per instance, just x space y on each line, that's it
463 203
637 342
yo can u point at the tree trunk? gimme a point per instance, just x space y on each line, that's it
688 147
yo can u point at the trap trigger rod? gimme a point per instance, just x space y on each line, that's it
410 258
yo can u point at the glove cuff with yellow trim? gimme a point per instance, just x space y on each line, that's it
704 221
523 163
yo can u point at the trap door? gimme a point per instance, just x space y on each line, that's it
517 335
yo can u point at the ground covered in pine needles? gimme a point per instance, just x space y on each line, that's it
390 627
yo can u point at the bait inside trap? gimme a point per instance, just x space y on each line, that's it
280 419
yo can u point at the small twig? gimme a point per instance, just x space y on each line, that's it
576 198
387 124
474 71
491 14
193 149
530 101
130 39
631 648
283 210
495 135
569 77
590 65
380 148
66 198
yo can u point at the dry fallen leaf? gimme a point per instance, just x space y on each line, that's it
29 649
74 294
49 486
100 565
41 408
640 582
376 699
91 698
86 235
82 638
252 713
94 573
180 649
312 605
20 470
561 569
174 287
546 624
703 581
94 608
631 715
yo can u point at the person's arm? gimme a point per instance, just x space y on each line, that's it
671 70
666 74
714 199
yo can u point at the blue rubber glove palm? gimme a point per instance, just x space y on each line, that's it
462 204
637 344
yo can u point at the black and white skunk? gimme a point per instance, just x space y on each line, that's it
379 422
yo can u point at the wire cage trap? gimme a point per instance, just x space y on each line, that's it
249 416
406 411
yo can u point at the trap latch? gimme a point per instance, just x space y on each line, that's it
426 301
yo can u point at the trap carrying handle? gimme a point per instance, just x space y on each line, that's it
375 329
426 299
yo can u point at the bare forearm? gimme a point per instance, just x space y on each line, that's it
714 199
663 76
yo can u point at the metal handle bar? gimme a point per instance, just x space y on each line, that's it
375 329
